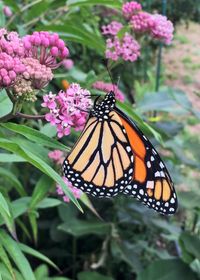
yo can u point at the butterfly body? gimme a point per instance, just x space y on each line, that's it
113 156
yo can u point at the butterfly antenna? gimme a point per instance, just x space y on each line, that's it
110 75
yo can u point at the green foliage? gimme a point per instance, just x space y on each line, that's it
42 238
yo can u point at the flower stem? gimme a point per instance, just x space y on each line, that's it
31 117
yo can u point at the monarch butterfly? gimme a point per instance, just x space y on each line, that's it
113 156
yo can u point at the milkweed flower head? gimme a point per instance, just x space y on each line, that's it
107 87
162 29
76 192
142 22
127 48
68 109
130 8
121 38
27 63
47 47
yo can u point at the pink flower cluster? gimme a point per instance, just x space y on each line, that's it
123 45
127 48
131 8
76 192
46 47
112 29
57 156
142 22
68 109
107 87
39 74
10 67
162 29
26 63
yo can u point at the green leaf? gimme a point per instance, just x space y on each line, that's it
33 222
48 203
4 205
80 228
37 10
28 250
92 275
13 249
40 164
6 261
191 244
12 179
2 16
167 270
126 253
109 3
34 135
5 104
40 191
5 157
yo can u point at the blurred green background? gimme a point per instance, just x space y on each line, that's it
54 239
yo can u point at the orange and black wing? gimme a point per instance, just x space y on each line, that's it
151 182
101 161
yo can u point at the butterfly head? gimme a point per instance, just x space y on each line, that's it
103 108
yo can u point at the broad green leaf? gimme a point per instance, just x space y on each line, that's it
167 270
80 228
40 164
34 135
48 203
12 179
13 249
48 129
6 261
40 191
109 3
37 10
5 104
191 244
28 250
92 275
41 272
5 157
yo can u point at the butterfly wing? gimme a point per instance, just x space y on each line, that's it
101 161
151 182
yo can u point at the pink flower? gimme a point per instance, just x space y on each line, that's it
11 43
142 22
9 69
50 117
107 87
39 74
127 48
131 8
69 109
7 11
162 29
49 101
68 63
48 48
56 156
112 29
76 192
